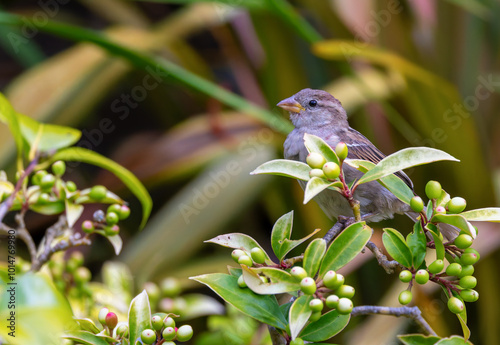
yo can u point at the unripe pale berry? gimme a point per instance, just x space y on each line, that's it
298 273
122 330
469 258
111 230
124 212
169 322
97 193
405 297
341 150
344 306
472 250
169 333
258 255
463 241
308 286
111 320
469 295
467 270
241 282
417 204
331 170
405 276
71 186
454 269
316 305
88 227
315 316
468 282
335 282
315 160
184 333
345 291
245 260
82 275
112 218
148 336
436 266
236 254
422 276
433 189
47 181
36 179
297 341
102 315
43 199
317 173
114 208
157 322
59 168
456 205
440 210
455 305
332 301
170 287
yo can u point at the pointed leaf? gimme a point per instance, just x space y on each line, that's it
315 186
313 255
456 220
117 243
279 281
73 212
84 337
284 167
440 252
328 325
417 242
489 214
396 246
403 159
87 325
139 316
9 116
454 340
318 145
238 241
418 339
345 247
263 308
299 315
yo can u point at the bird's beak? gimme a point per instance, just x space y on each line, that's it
291 105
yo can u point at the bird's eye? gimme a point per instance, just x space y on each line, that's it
313 103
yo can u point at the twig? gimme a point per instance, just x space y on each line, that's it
409 312
334 231
276 337
388 265
23 233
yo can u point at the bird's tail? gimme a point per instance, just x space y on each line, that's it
448 231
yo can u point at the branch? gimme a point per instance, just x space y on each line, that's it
388 265
276 337
409 312
23 233
334 231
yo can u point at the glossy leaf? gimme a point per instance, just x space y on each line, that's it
345 247
78 154
279 281
139 316
284 167
314 143
396 246
238 241
299 314
73 212
489 214
315 186
328 325
440 252
417 242
456 220
85 337
117 243
313 255
454 340
9 116
87 325
418 339
403 159
263 308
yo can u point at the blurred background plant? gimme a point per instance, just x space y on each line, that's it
183 94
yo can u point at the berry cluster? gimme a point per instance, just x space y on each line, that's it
323 169
70 276
256 257
106 224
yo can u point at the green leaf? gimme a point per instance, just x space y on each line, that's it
139 316
456 220
263 308
393 183
489 214
284 167
198 305
85 337
315 186
417 242
440 252
279 281
313 255
79 154
328 325
87 325
463 323
418 339
73 212
454 340
318 145
396 246
51 208
9 116
345 247
403 159
299 315
238 241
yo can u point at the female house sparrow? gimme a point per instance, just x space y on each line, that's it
319 113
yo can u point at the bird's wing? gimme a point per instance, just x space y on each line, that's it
361 148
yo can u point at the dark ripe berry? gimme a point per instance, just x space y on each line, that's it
111 320
169 322
308 286
170 287
111 218
157 322
236 254
111 230
245 260
241 282
315 160
315 316
345 291
405 297
469 259
169 333
99 216
88 227
332 301
454 269
422 276
467 270
317 173
97 193
469 295
316 305
102 315
463 241
331 170
258 255
184 333
341 150
405 276
417 204
433 189
468 282
124 212
455 305
148 336
456 205
436 266
344 306
47 181
71 186
297 341
298 273
59 168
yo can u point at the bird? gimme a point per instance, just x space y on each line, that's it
319 113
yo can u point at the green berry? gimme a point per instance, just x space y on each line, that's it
454 269
122 330
258 255
114 208
463 241
332 301
112 218
469 258
472 250
456 205
169 343
59 168
416 203
97 193
315 160
341 150
344 306
405 276
333 280
88 227
422 276
405 297
169 333
71 186
111 320
37 177
43 199
308 286
157 322
469 295
298 273
315 316
184 333
169 322
345 291
468 282
467 270
170 287
297 341
241 282
236 254
316 305
102 315
455 305
148 336
82 275
433 189
245 260
331 170
440 210
111 230
317 173
47 182
124 212
436 266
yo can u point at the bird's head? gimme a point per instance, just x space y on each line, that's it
314 108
